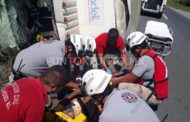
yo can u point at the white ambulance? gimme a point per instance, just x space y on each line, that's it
155 7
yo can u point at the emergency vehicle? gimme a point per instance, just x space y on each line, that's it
156 7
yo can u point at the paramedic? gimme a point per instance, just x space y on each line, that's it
119 105
149 76
36 59
110 43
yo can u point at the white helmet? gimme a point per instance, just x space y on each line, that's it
95 81
90 43
78 41
135 38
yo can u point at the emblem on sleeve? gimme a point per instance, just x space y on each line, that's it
130 98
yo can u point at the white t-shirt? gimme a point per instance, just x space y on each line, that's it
125 106
35 59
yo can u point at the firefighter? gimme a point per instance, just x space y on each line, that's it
25 99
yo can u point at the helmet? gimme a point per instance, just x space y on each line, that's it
135 38
95 81
90 43
77 41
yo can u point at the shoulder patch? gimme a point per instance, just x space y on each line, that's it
128 97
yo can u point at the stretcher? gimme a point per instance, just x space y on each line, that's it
159 37
80 118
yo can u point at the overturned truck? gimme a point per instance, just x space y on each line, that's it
57 18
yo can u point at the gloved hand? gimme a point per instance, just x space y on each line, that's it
125 71
108 70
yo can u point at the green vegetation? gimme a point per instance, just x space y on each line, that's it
179 5
185 2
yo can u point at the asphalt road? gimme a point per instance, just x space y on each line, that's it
177 106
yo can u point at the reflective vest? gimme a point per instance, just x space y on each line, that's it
159 83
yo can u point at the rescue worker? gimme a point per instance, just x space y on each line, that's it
119 105
110 43
149 76
25 99
37 58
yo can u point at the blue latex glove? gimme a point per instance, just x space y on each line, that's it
108 70
125 71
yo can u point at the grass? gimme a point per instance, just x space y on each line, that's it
176 5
